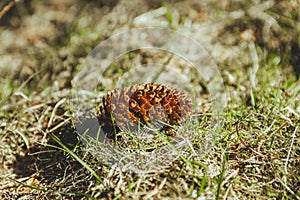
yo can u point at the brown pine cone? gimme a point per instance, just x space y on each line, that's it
151 104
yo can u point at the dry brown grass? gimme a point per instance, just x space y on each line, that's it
256 155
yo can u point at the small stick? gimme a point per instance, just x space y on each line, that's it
289 153
7 8
281 127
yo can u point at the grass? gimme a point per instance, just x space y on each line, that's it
255 155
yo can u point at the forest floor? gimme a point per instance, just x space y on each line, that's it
256 46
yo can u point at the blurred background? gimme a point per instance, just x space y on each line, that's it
50 39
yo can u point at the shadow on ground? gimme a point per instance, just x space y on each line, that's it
52 168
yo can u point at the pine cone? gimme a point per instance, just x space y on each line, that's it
153 105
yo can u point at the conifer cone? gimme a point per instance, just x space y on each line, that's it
140 105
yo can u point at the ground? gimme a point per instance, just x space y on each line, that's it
256 46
